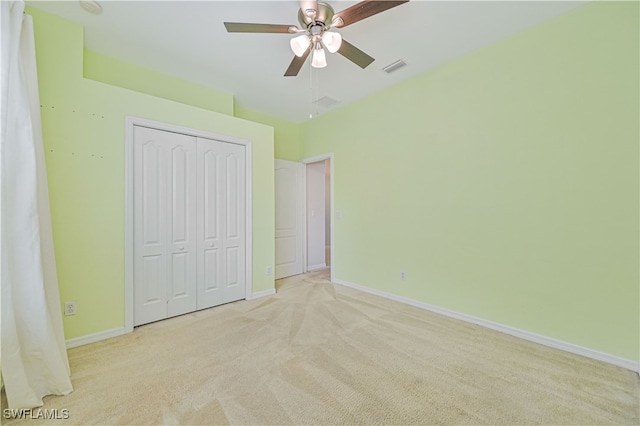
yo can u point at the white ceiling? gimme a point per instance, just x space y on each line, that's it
187 39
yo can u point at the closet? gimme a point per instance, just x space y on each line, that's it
188 223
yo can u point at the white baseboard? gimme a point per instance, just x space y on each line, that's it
316 267
526 335
96 337
263 293
114 332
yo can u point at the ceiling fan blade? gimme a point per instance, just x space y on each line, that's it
297 63
309 5
355 55
244 27
363 10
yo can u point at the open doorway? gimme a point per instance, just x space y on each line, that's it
304 224
319 232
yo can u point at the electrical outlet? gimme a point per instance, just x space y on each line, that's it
70 308
269 270
403 275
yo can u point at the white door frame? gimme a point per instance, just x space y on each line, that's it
315 159
130 122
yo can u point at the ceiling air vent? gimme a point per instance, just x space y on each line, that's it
394 66
326 102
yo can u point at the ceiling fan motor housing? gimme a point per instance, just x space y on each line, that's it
324 14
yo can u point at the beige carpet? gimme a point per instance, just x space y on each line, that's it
316 353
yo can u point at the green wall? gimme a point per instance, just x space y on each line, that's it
287 135
106 69
505 183
84 129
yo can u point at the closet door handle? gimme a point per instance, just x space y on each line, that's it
181 247
211 245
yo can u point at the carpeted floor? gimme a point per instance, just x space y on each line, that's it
316 353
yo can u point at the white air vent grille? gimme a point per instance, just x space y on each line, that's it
326 102
394 66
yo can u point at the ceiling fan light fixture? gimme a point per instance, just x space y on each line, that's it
300 44
319 58
332 41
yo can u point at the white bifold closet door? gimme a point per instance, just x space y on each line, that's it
189 224
221 223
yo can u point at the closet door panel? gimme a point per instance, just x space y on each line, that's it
164 225
210 201
150 239
152 292
234 232
182 225
211 269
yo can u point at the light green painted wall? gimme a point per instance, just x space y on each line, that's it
505 183
287 135
84 130
112 71
99 67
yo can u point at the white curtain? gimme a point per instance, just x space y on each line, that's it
33 354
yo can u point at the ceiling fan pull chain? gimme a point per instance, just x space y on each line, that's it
317 90
310 88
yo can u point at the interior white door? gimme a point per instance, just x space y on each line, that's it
289 193
221 223
164 225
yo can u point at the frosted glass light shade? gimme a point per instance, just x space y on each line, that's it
319 58
300 44
332 41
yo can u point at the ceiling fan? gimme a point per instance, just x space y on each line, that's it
316 19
